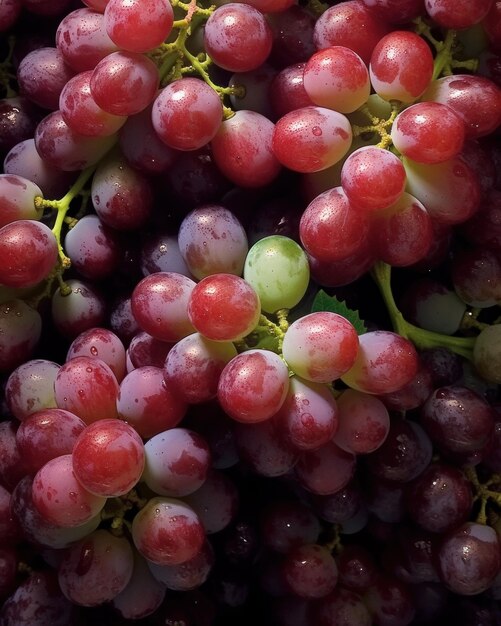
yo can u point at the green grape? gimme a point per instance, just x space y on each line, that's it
487 353
278 269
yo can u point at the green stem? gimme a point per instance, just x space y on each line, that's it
421 338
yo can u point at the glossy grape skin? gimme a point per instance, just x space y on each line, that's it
188 575
223 307
401 66
18 120
469 558
287 92
30 387
60 498
138 26
96 569
28 253
160 305
242 149
311 571
212 239
17 195
80 309
100 343
187 114
396 11
475 271
311 138
253 386
237 37
167 531
342 606
326 470
458 15
321 346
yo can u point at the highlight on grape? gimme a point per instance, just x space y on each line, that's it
250 312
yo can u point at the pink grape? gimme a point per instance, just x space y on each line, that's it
458 14
193 367
363 422
287 91
30 387
148 403
321 346
326 470
167 531
362 178
428 132
108 458
177 462
86 386
60 498
311 571
242 149
187 114
337 78
138 25
20 331
146 350
385 362
160 305
237 37
80 308
253 386
396 11
82 39
311 138
28 253
309 415
108 568
12 466
103 344
401 66
46 434
17 195
212 239
224 307
124 83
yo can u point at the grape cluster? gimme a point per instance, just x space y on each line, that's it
250 279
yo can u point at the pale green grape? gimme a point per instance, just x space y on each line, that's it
487 353
278 269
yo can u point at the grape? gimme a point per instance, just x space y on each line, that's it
142 595
188 575
80 308
440 499
86 386
223 307
124 83
389 602
401 66
255 85
326 470
212 239
82 39
320 347
122 196
28 253
292 36
288 524
46 434
138 25
9 13
309 415
177 462
469 558
20 331
18 120
396 11
100 343
486 353
342 606
253 386
384 363
160 305
459 15
311 138
237 37
337 78
17 195
187 114
277 268
108 458
96 569
60 498
145 350
193 367
428 132
475 276
242 149
41 75
287 91
311 571
215 501
30 387
80 111
349 24
331 229
167 531
12 467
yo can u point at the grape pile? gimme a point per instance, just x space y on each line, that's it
250 325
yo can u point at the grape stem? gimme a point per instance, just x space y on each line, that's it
482 492
422 339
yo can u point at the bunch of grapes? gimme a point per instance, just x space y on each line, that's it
250 326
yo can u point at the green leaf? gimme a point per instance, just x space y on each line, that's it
324 302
